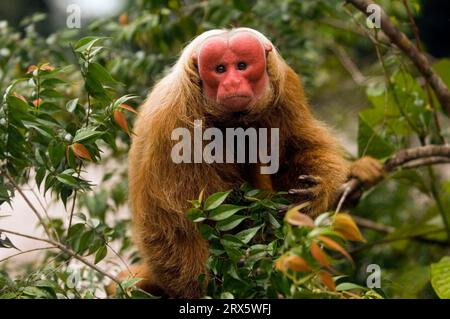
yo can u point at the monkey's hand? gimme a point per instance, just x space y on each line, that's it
311 189
368 170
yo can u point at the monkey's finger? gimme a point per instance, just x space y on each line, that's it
303 194
309 180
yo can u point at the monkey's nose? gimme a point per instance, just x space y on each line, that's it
231 86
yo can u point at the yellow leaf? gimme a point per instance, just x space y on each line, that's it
19 96
120 120
294 217
37 102
200 196
31 69
46 67
129 108
81 151
319 255
331 244
345 225
280 264
297 263
123 19
328 280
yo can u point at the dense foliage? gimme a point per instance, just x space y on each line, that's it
67 104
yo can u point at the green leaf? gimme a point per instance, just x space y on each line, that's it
100 73
52 82
273 221
215 200
412 100
196 215
230 223
40 174
44 131
71 105
226 295
231 241
56 152
246 235
371 143
68 180
49 93
349 286
85 134
36 292
95 89
86 240
234 253
441 67
440 277
81 216
128 283
207 232
19 109
224 211
101 253
87 43
6 243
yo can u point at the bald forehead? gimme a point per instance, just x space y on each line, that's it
242 44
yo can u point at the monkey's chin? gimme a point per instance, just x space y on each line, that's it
236 104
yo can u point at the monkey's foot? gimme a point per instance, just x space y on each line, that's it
368 170
137 271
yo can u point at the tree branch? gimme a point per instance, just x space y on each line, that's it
404 159
35 211
388 240
27 251
66 250
419 59
381 228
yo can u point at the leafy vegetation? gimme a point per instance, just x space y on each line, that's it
66 108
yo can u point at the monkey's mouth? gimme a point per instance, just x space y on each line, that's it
236 103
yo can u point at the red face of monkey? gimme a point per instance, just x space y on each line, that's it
233 70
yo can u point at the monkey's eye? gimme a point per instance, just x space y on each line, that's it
220 68
241 66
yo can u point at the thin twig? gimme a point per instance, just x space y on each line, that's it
418 58
120 258
27 251
88 112
66 250
414 237
415 31
347 189
44 209
349 65
35 211
370 224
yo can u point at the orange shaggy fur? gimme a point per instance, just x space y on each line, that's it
173 253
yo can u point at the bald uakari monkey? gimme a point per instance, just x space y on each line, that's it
225 78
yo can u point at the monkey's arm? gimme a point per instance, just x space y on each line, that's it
321 173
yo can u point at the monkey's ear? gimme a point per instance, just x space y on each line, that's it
194 58
267 48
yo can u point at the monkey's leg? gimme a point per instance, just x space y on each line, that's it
141 271
176 259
